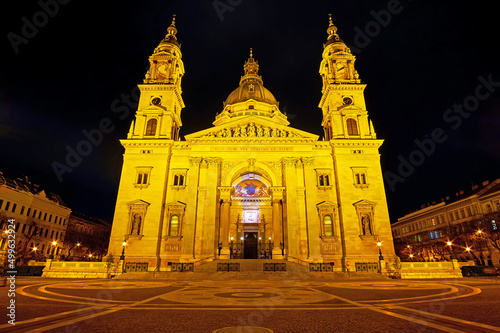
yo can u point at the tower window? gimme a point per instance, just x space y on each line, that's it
328 226
352 127
174 225
151 127
142 178
178 180
360 176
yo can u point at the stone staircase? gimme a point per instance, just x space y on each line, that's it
251 269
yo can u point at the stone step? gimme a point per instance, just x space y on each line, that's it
252 269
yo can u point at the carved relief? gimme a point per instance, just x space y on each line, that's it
252 130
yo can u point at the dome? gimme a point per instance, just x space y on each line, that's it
251 89
251 86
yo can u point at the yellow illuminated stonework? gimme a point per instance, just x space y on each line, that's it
251 186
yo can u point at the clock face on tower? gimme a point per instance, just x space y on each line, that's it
347 100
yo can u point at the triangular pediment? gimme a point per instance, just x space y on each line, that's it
138 203
364 203
251 127
153 109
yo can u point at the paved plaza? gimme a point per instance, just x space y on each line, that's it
280 306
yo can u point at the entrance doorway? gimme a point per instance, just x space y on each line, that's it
250 245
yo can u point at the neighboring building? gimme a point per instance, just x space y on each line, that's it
252 186
86 237
40 218
469 220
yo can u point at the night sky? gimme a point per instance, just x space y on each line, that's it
419 62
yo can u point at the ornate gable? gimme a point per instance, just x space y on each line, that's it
252 128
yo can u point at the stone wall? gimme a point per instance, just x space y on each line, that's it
80 269
431 270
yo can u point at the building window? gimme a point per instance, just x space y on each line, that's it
24 228
178 177
178 180
7 205
1 204
360 178
328 225
151 127
174 225
14 206
488 208
22 210
469 211
323 180
142 178
493 225
352 127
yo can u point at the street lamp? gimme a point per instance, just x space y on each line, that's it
122 257
380 256
231 248
411 257
270 249
52 252
450 244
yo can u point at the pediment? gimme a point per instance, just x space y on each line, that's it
252 128
326 205
364 203
138 203
153 109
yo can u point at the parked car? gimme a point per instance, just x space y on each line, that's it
470 271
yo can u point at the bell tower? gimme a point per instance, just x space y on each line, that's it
342 101
159 111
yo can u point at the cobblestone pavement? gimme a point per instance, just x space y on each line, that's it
56 305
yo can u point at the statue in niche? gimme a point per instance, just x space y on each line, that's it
136 224
244 130
366 224
267 131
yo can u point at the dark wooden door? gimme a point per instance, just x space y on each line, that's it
250 245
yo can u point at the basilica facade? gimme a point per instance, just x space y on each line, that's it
251 186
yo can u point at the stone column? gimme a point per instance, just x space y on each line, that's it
277 236
225 196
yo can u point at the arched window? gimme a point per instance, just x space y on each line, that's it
151 127
352 127
328 225
174 225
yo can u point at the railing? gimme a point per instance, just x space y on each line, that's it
427 265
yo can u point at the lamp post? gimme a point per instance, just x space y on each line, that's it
411 257
270 249
53 250
231 248
122 257
450 244
380 256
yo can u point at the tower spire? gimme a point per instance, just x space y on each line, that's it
251 66
332 32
